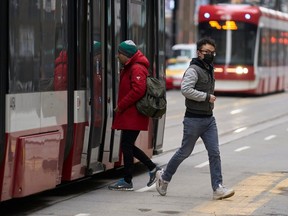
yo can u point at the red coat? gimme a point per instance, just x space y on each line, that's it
60 71
132 87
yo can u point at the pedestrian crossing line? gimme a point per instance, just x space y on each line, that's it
250 194
269 137
242 148
202 164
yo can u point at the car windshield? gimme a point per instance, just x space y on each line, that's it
184 53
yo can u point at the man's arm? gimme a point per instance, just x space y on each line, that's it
188 83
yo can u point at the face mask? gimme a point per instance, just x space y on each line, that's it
208 58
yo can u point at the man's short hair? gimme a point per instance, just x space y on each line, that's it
205 40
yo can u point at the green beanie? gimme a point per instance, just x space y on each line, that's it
127 48
96 47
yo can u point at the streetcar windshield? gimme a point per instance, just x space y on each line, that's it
234 46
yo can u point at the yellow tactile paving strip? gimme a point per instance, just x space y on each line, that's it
250 194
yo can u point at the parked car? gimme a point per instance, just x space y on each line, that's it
175 69
184 50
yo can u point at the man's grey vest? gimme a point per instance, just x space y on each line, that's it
205 83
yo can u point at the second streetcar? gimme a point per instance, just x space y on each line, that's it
252 47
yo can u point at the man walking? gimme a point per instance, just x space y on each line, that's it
197 86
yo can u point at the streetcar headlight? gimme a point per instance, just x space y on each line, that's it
238 70
241 70
206 15
247 16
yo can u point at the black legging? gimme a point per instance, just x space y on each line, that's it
130 151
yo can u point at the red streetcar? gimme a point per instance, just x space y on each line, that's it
58 87
252 47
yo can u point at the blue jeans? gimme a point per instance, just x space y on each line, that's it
194 128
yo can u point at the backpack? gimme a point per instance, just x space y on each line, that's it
153 104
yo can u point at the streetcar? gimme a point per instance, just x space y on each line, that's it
252 47
59 77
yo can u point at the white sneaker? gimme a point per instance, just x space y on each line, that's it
222 193
161 185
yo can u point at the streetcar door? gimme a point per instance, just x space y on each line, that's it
112 137
103 143
159 59
96 88
3 77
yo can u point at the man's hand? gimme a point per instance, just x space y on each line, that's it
212 98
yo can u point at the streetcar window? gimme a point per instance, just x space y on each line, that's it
36 37
273 48
137 30
264 48
234 47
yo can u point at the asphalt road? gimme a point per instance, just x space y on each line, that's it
253 134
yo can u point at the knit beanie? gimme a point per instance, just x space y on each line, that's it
127 48
96 47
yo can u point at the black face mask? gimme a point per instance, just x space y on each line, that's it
208 58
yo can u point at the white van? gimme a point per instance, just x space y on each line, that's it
184 50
